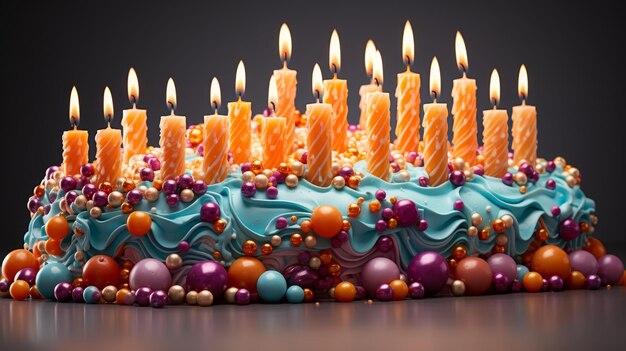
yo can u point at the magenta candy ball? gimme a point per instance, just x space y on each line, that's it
406 213
568 229
207 275
378 271
610 269
430 269
583 262
210 212
150 273
502 263
26 274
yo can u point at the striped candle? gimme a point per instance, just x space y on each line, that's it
378 138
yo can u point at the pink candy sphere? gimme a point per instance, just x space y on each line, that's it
378 271
150 273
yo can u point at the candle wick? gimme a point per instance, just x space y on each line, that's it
317 93
273 108
464 70
215 107
285 61
407 61
133 100
239 97
435 95
495 104
523 96
378 83
335 71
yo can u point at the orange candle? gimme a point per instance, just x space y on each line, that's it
239 114
524 125
464 128
215 163
436 132
364 90
378 127
108 146
134 122
172 140
408 94
495 133
336 94
273 132
319 138
286 86
75 142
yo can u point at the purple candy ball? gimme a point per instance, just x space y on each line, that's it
593 282
154 163
33 204
200 150
430 269
148 157
172 199
507 179
503 263
534 177
87 170
242 297
343 236
271 192
150 273
501 283
412 156
89 190
50 171
134 197
360 293
279 178
4 285
416 290
387 213
550 166
352 128
142 296
100 198
245 167
199 187
457 178
346 172
516 285
302 274
185 181
158 299
68 183
384 243
183 246
77 294
169 187
46 208
304 257
583 262
526 168
569 229
479 171
423 181
551 184
71 196
210 212
556 283
63 292
26 274
458 205
146 174
207 275
556 210
545 284
380 195
405 212
422 225
248 189
610 269
384 292
304 157
377 271
380 226
281 223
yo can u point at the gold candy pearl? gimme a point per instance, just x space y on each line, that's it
58 175
560 161
128 185
310 241
498 226
247 176
108 293
249 248
520 178
469 174
80 202
296 240
79 256
392 223
457 288
127 207
540 168
459 252
51 183
571 181
152 194
501 240
124 275
339 182
335 167
266 249
284 168
393 199
219 225
360 200
275 240
523 189
232 169
260 181
477 219
256 167
315 262
229 294
186 195
403 176
484 234
119 182
41 211
176 295
205 298
354 181
116 198
297 168
158 184
459 164
305 226
173 261
41 245
267 172
95 212
346 225
374 206
291 181
354 210
192 297
508 220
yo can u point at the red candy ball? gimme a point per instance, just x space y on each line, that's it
100 271
17 260
475 273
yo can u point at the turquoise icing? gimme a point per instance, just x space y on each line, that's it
254 218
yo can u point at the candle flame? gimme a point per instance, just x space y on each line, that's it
170 94
216 94
133 86
74 108
522 83
494 87
107 105
378 68
408 44
334 54
435 78
370 53
284 43
240 79
461 52
318 89
272 94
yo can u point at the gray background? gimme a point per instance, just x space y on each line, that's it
576 77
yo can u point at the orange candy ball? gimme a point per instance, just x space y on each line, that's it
57 228
249 248
53 247
595 247
244 273
17 260
533 282
19 290
399 289
475 273
326 221
623 280
345 292
139 223
551 260
576 280
100 271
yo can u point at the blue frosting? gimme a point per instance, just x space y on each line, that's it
255 219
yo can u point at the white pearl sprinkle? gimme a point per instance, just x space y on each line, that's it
234 236
153 210
488 208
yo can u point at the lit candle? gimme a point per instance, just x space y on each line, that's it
524 125
408 94
378 126
215 163
172 140
320 136
465 131
108 146
336 94
286 87
273 132
370 53
134 122
495 133
436 131
239 114
75 143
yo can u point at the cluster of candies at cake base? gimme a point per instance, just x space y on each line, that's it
269 235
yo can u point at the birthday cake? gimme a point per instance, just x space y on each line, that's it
271 234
